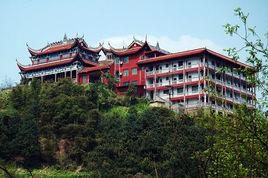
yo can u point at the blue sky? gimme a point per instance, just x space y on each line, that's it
177 25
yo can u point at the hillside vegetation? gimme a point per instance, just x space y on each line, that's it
88 131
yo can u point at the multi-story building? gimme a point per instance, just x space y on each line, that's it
196 78
61 59
188 79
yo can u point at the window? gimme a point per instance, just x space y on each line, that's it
194 88
117 74
180 101
134 82
180 90
117 60
213 63
125 72
125 60
167 65
167 78
158 80
109 56
189 64
84 79
125 83
213 76
166 92
180 63
134 71
189 77
180 76
218 76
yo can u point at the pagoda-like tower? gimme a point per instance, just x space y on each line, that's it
60 59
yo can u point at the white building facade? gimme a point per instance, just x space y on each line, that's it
197 78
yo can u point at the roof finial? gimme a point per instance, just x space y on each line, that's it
157 45
76 34
134 38
65 37
146 38
123 44
110 45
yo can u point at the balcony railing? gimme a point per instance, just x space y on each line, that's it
192 79
150 85
149 73
174 82
173 69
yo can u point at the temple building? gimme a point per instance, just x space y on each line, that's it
61 59
188 79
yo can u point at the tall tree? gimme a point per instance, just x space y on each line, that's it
239 143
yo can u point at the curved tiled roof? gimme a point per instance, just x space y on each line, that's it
64 45
132 49
190 53
94 69
53 63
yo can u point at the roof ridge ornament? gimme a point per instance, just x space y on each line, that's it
134 38
101 44
65 37
157 45
110 45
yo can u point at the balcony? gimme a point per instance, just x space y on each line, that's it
177 68
228 84
194 104
178 94
193 79
218 81
153 85
150 85
211 66
149 73
165 70
158 71
177 81
236 75
236 87
229 98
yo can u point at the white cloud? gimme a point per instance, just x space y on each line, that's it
184 42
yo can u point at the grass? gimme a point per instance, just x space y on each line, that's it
46 173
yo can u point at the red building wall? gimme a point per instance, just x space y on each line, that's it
132 63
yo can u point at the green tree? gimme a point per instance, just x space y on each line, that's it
239 140
239 143
256 48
